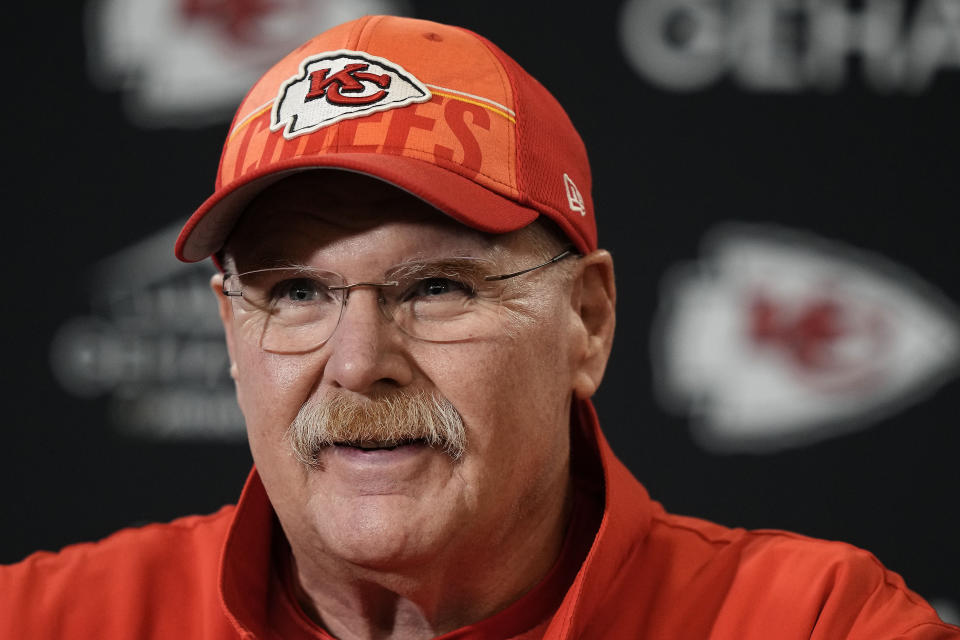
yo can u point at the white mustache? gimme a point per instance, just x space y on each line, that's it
385 421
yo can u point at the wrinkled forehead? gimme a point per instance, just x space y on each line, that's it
330 215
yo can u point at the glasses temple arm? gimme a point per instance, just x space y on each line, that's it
556 258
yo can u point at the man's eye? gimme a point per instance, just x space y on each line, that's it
433 287
300 290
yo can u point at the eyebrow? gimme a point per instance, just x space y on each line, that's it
455 266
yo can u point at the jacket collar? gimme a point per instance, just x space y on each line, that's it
623 530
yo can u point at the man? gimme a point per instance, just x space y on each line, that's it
417 315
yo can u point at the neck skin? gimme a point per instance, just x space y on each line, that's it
454 588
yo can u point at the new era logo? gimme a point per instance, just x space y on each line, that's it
574 197
342 84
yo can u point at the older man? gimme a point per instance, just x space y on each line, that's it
417 315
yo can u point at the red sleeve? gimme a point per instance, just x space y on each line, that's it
710 582
158 581
866 601
833 590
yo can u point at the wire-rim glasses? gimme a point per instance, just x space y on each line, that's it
296 309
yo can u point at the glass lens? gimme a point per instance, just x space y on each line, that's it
289 309
443 301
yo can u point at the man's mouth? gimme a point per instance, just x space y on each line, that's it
388 445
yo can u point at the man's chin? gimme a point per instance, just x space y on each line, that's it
386 532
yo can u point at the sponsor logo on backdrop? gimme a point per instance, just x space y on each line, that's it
792 45
338 85
152 345
190 62
778 338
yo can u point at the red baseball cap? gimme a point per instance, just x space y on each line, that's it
435 110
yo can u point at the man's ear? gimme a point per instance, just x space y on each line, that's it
594 301
226 318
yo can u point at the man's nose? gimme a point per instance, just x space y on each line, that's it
366 349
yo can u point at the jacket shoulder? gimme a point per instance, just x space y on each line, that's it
121 586
777 584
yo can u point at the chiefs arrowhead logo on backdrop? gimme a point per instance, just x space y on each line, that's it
342 84
779 338
190 62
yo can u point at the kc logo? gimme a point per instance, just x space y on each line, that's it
349 80
342 84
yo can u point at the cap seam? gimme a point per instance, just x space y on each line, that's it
515 95
353 44
365 33
356 33
233 123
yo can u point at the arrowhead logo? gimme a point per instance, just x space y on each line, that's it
337 85
778 339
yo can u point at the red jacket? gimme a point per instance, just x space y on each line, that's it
649 575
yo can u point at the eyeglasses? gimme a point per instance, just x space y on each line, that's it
297 309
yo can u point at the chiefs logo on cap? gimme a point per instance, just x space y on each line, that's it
337 85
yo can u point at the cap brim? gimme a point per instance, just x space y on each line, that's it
460 198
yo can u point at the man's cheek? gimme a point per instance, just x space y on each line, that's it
269 385
284 372
477 385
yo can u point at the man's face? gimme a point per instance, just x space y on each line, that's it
511 386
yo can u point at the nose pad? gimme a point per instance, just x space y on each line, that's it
361 353
385 304
345 304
